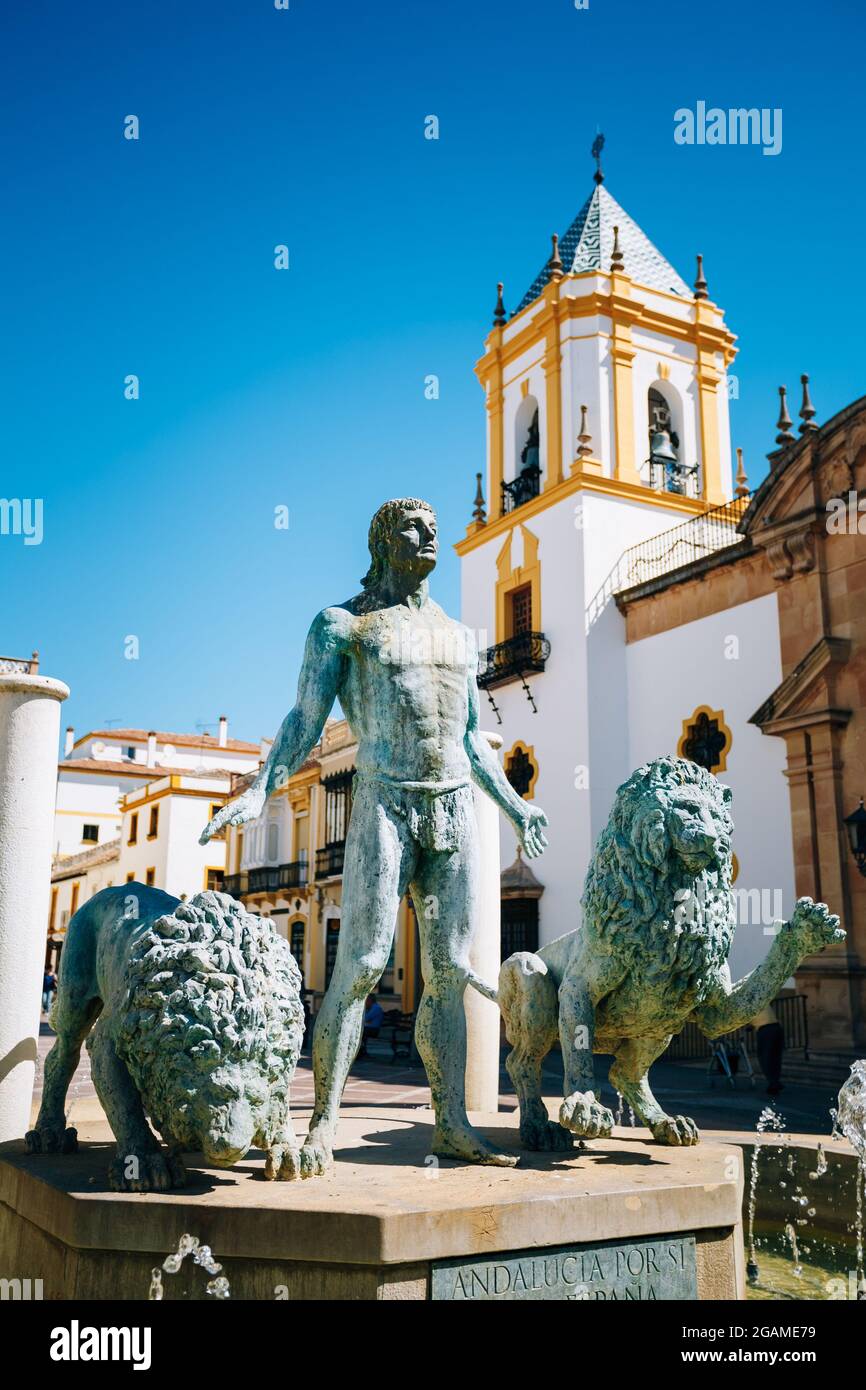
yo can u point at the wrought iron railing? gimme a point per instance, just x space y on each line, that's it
715 529
267 878
236 885
790 1010
510 660
521 489
329 859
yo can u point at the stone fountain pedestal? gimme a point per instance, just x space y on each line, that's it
624 1219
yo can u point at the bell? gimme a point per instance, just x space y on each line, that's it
661 449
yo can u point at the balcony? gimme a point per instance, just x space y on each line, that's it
522 489
236 885
512 660
270 878
329 860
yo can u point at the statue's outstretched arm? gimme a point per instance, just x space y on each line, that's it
486 771
811 928
317 689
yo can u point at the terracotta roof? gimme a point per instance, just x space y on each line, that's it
518 880
70 865
139 770
209 741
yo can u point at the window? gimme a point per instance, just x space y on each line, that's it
296 943
527 471
332 939
706 739
73 906
133 829
519 611
150 877
519 926
130 877
130 753
153 828
213 880
273 842
53 913
338 806
90 833
521 769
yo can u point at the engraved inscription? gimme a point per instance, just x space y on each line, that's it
660 1268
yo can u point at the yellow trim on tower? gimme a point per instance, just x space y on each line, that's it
708 376
706 328
622 354
552 367
582 480
508 579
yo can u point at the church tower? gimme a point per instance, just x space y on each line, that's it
606 392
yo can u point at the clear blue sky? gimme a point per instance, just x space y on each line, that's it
306 387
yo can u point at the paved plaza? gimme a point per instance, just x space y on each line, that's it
682 1088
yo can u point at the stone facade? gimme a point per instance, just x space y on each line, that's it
804 540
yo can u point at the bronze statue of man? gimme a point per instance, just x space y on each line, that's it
405 675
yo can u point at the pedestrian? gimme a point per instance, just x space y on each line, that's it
49 985
769 1044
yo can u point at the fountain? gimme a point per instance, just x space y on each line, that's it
217 1286
768 1119
851 1120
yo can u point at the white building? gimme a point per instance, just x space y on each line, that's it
131 805
101 767
609 462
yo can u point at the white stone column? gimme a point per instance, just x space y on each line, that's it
482 1015
29 732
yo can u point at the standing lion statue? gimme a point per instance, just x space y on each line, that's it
194 1018
650 956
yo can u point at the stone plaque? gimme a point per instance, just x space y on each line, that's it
662 1267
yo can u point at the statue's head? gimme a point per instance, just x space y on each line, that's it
213 1027
676 810
403 539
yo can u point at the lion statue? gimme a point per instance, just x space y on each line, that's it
650 956
194 1019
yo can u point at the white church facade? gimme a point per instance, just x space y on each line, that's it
609 463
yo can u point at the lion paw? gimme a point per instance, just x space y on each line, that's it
283 1163
51 1139
815 925
545 1136
151 1171
583 1115
316 1158
675 1130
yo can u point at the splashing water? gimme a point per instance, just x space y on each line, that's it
768 1119
851 1120
202 1255
820 1165
851 1115
795 1254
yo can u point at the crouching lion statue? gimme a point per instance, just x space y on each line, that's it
651 955
194 1019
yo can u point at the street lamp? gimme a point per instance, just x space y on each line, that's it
856 827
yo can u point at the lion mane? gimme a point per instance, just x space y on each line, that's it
640 898
209 985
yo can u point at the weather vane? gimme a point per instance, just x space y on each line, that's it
597 147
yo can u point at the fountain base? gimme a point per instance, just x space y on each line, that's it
623 1219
